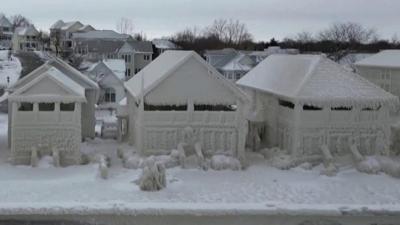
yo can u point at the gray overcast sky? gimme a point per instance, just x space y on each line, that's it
265 18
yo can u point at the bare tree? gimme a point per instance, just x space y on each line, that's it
232 32
304 37
188 35
19 21
141 36
346 36
125 26
348 32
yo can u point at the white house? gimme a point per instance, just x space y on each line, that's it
110 76
26 39
383 69
91 92
6 32
46 117
179 91
304 102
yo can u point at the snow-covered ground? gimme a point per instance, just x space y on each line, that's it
9 68
259 189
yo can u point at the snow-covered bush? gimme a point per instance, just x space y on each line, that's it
85 159
282 161
222 162
389 166
153 176
330 170
34 157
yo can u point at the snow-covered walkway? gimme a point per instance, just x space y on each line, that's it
11 69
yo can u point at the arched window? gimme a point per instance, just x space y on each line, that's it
109 95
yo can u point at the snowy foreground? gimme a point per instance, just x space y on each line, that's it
259 194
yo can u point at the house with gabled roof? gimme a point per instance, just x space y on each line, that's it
382 69
61 34
91 93
180 91
26 39
110 76
46 118
304 102
6 32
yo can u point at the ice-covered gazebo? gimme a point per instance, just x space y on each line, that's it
178 92
304 102
46 118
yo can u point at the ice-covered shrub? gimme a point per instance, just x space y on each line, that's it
370 165
133 162
390 166
222 162
103 167
34 157
282 161
56 157
330 170
153 176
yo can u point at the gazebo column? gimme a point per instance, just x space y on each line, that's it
57 110
298 109
36 110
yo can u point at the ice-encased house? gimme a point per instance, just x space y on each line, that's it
49 86
180 91
304 102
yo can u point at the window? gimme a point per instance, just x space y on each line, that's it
214 107
146 57
25 106
342 108
129 58
127 72
165 107
311 108
69 107
237 76
286 104
371 108
137 70
109 95
46 107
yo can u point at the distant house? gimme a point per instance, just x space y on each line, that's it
110 76
6 33
302 103
163 45
383 69
91 93
179 91
234 64
98 44
26 39
61 34
46 117
137 55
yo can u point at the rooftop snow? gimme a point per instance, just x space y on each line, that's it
164 44
117 66
315 80
26 31
386 58
101 34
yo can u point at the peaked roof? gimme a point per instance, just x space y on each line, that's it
116 66
64 25
385 58
165 65
4 22
137 46
26 31
76 92
315 80
63 67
